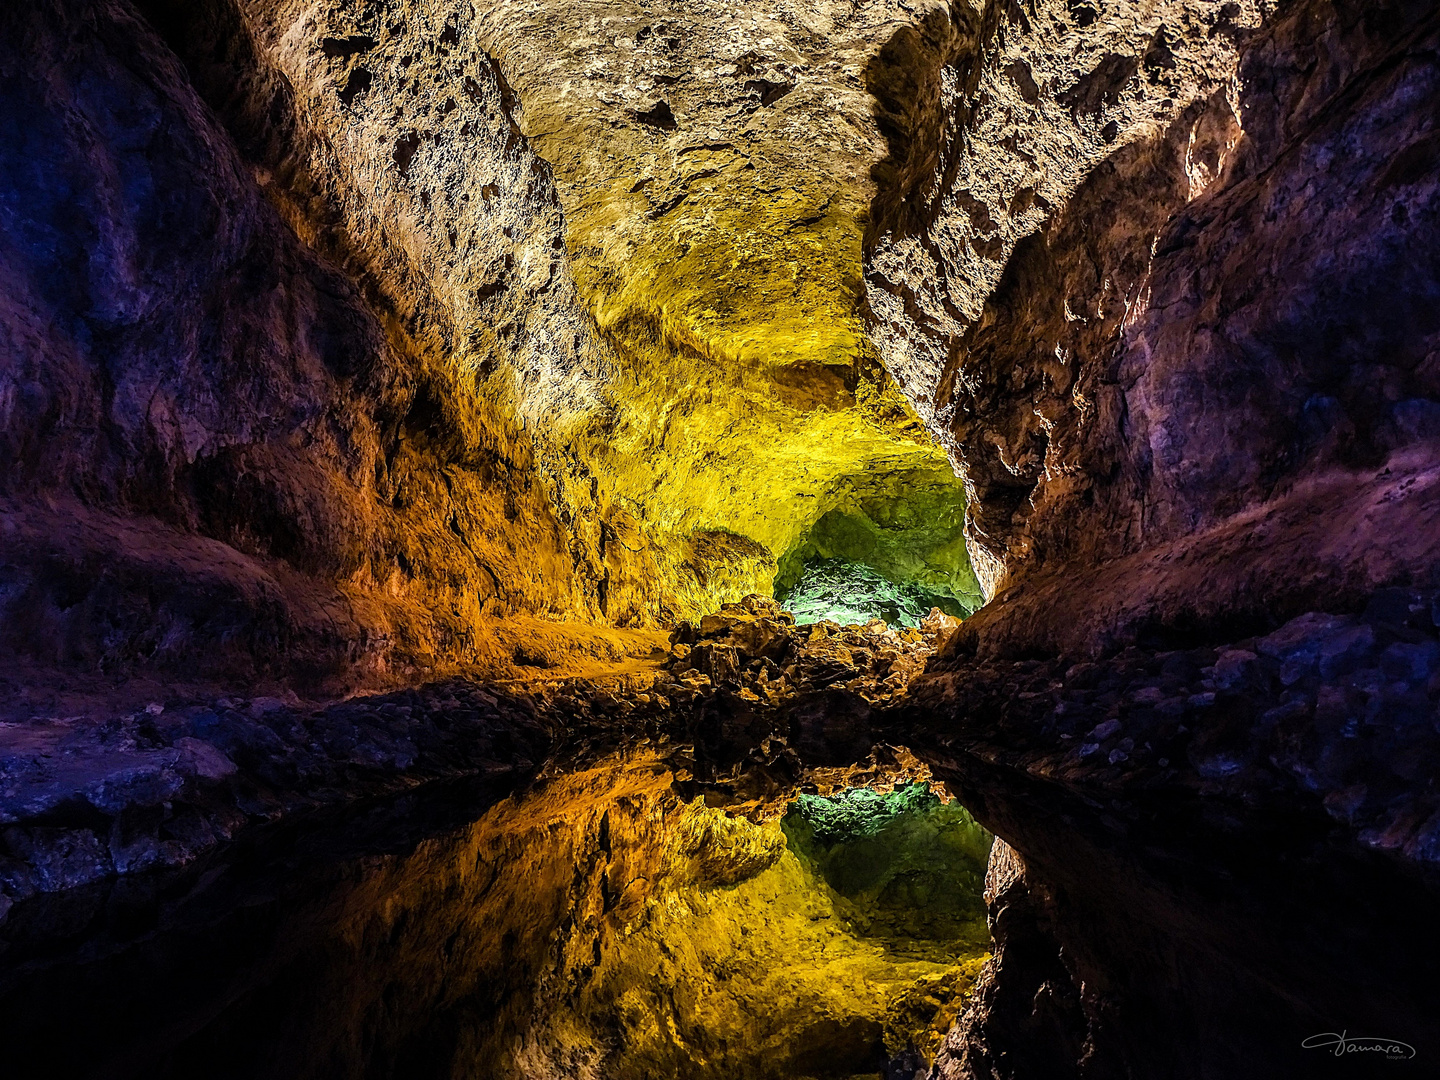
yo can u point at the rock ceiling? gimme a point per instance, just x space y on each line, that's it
714 188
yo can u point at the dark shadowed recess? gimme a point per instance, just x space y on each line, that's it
239 964
1210 938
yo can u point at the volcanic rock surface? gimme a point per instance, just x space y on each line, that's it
1164 277
369 344
218 452
319 372
713 163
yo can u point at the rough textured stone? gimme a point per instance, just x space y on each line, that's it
374 339
303 378
1164 276
1136 790
713 162
214 448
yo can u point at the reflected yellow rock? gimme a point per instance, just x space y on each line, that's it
600 926
717 952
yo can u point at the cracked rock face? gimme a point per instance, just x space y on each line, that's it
1000 113
376 325
683 351
1162 272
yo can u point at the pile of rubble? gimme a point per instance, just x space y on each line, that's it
1340 709
755 649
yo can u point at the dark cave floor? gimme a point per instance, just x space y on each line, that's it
1232 838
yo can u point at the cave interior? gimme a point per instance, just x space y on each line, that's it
667 540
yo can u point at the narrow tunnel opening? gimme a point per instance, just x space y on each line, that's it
890 547
853 593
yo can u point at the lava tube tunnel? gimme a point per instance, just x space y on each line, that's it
657 540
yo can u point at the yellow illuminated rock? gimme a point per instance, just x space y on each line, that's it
530 310
713 166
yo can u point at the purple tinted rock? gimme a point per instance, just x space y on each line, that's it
1413 661
1234 667
199 758
60 858
145 785
1300 639
1105 730
1344 651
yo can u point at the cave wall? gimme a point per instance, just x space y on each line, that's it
292 433
1163 277
388 139
367 329
713 163
691 374
180 375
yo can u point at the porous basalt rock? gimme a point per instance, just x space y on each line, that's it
347 392
1104 263
711 418
907 528
389 142
1163 276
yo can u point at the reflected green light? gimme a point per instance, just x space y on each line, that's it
904 865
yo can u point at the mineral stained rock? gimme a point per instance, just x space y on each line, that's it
846 593
904 528
1164 277
369 326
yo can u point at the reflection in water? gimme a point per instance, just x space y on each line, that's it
595 925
